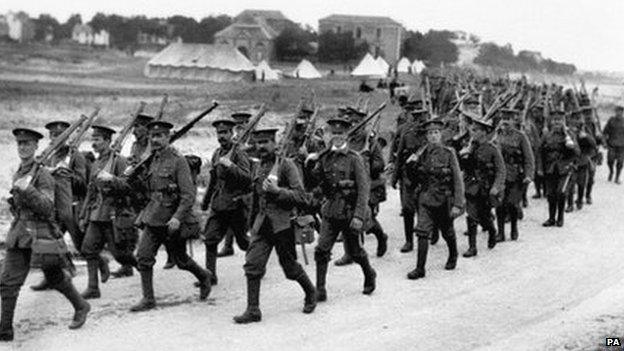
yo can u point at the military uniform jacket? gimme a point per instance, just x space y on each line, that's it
438 177
136 152
484 169
375 164
100 204
77 164
516 150
228 185
554 156
411 139
281 207
313 144
33 210
589 149
344 184
614 132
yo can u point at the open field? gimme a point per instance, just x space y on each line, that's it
552 290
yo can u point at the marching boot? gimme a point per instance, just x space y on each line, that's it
501 214
491 237
211 264
42 285
228 246
472 239
419 271
618 171
570 206
7 311
321 274
93 291
309 303
435 236
451 242
170 262
123 271
204 278
252 313
408 227
588 192
514 224
382 238
552 212
81 306
560 212
369 275
148 301
345 259
104 269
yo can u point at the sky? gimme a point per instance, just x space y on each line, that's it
587 33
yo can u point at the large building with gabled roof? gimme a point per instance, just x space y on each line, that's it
383 34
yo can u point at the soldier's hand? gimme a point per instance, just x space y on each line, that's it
82 225
456 212
412 158
493 191
104 176
225 161
270 185
22 183
540 173
312 157
356 224
173 225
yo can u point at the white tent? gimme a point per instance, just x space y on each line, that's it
403 66
305 70
264 70
417 66
368 67
217 63
383 64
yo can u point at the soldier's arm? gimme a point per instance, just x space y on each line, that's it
529 158
377 163
397 161
212 183
362 184
186 188
240 171
79 168
459 198
499 166
292 194
38 197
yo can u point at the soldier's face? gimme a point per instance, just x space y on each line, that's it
139 131
55 133
265 147
337 136
159 139
618 112
224 136
434 136
99 143
506 123
477 132
26 149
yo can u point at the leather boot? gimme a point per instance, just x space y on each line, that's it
321 274
408 227
147 302
369 275
123 271
560 212
552 212
472 239
345 259
93 291
7 311
104 269
513 219
204 278
501 214
42 285
491 237
309 303
81 306
211 263
451 242
252 313
435 236
228 246
382 238
618 171
419 271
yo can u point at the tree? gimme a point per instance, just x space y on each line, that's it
340 47
433 48
186 28
209 26
293 43
65 30
46 24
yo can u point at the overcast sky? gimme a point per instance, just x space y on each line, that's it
588 33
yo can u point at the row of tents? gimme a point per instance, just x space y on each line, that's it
224 63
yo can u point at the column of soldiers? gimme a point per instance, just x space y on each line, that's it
474 153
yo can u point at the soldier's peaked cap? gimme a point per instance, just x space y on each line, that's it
143 119
339 121
241 117
432 124
159 126
306 111
100 130
264 133
224 123
26 134
57 125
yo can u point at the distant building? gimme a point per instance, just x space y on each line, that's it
383 34
253 33
4 27
21 27
85 35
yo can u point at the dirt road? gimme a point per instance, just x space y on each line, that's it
550 290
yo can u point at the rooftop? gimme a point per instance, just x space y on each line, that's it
361 19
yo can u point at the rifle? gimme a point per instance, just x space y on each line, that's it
310 128
372 135
242 139
121 138
363 122
161 109
527 105
142 166
75 141
280 150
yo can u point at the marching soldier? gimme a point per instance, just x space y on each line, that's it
69 175
614 138
345 185
435 171
484 179
516 150
168 217
273 204
34 239
588 149
411 139
554 162
106 214
594 132
229 182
